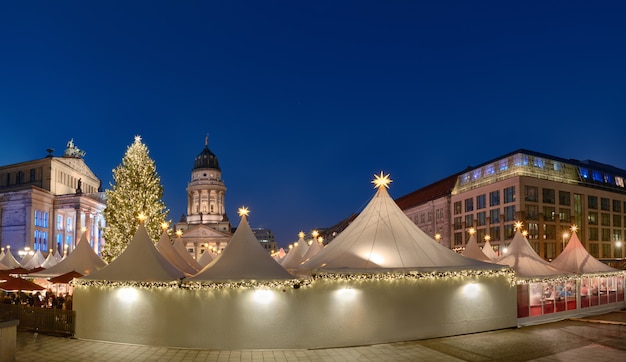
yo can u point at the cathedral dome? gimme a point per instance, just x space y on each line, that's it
206 159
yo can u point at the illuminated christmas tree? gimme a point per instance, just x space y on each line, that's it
137 190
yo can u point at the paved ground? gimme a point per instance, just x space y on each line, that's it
598 338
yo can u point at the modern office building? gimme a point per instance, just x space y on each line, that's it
46 204
265 237
547 193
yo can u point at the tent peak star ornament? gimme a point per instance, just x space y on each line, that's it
243 211
381 180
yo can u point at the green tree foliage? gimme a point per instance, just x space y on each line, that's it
136 190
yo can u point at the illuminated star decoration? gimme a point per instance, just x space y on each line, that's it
301 234
518 225
137 138
381 180
574 228
243 211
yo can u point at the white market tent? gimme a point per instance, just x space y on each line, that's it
243 259
35 261
180 248
576 259
139 262
83 259
488 250
205 258
314 249
50 261
526 263
472 250
9 261
165 247
295 256
383 237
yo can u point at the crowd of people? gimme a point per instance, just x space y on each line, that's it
39 300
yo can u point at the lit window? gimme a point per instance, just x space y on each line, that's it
619 181
504 165
490 169
538 162
583 172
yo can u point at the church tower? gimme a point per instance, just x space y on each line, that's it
206 226
206 191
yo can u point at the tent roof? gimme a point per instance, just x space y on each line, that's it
313 250
382 237
205 258
295 256
576 259
9 261
243 259
35 261
472 250
526 263
50 261
179 246
140 262
82 259
165 247
488 250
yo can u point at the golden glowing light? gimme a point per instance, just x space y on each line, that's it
83 229
518 225
525 233
142 217
320 239
381 180
301 234
618 244
179 232
574 228
487 237
315 233
164 225
243 211
137 138
472 231
437 236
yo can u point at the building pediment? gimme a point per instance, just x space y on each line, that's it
203 231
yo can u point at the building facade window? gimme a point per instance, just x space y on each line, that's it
605 204
548 196
592 202
457 208
509 194
59 222
481 219
617 206
531 193
532 212
509 213
606 234
564 215
605 219
592 218
68 222
593 234
469 220
564 198
469 205
458 223
494 232
481 201
494 198
494 216
617 221
533 230
549 213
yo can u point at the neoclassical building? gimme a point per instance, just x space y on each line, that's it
45 204
206 225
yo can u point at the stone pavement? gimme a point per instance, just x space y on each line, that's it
597 338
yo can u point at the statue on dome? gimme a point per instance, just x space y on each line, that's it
72 151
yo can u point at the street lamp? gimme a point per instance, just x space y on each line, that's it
565 236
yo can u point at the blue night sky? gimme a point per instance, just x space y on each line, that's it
304 101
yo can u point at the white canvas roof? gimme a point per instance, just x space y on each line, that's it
140 262
82 259
472 250
488 250
50 261
526 263
243 259
180 248
205 258
9 261
35 261
313 250
294 257
165 247
383 237
576 259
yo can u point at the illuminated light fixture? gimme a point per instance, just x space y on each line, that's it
346 293
301 235
524 233
164 225
437 237
320 239
243 211
487 238
505 250
471 231
618 244
518 225
574 228
471 290
179 232
83 229
315 233
377 258
127 295
290 246
381 180
263 296
142 217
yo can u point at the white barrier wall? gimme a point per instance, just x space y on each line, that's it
326 313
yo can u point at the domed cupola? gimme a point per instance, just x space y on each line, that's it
206 159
